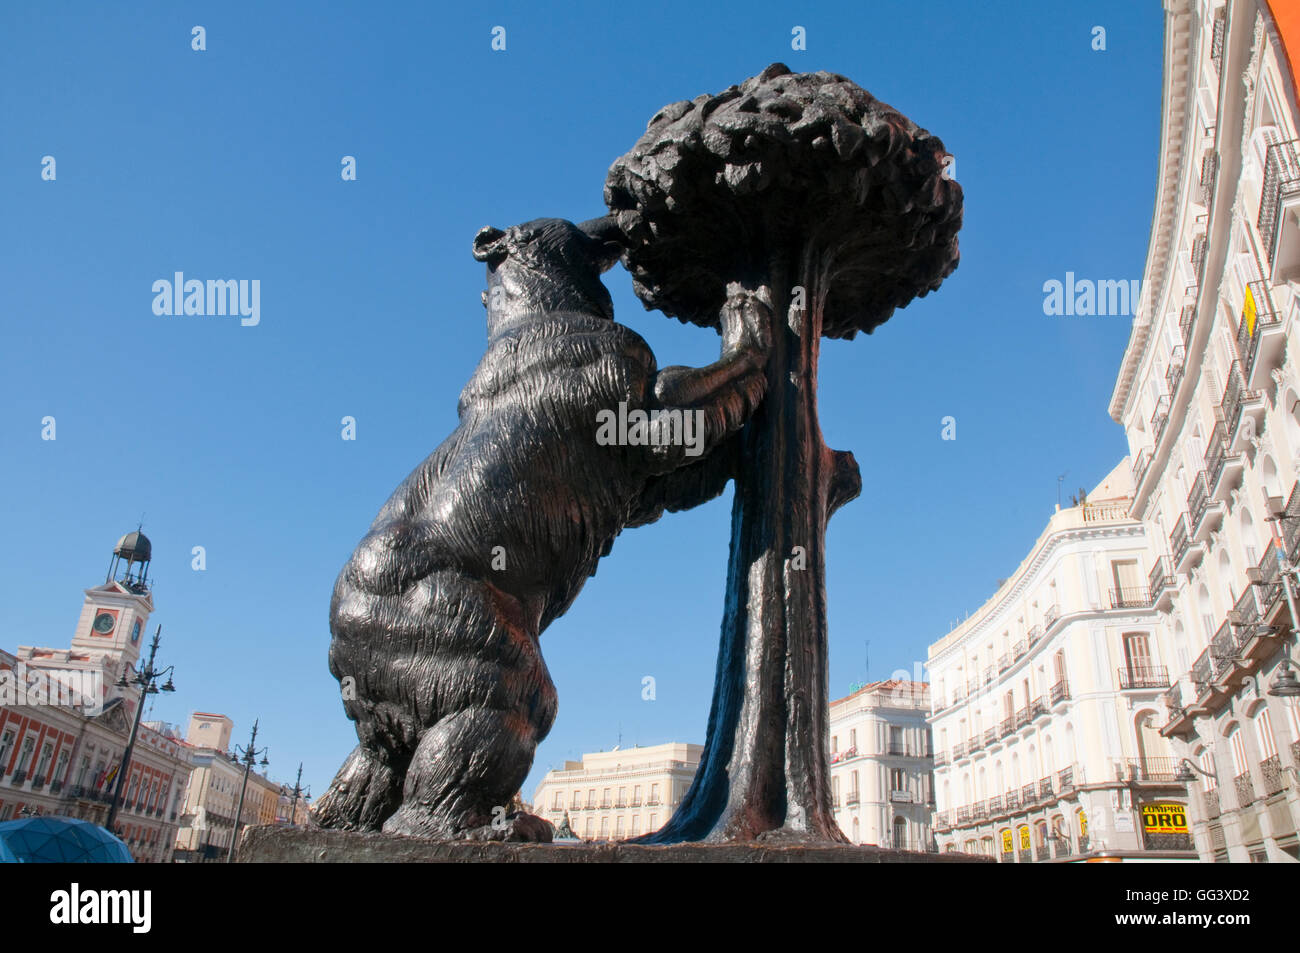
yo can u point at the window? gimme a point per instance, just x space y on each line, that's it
83 770
636 824
618 826
654 794
6 812
1127 581
1137 654
6 746
591 827
591 797
853 738
654 823
898 779
835 743
1264 734
604 826
896 740
559 802
25 758
622 797
900 833
1058 665
61 770
47 751
577 800
1238 745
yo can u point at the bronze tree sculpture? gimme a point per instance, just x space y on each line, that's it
811 195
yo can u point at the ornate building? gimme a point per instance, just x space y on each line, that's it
1046 703
65 721
882 781
613 795
1209 397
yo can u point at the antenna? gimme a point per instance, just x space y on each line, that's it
867 651
1059 481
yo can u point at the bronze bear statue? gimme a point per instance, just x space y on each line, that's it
436 617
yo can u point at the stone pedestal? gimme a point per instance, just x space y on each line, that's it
306 845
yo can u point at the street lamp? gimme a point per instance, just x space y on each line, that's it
146 681
297 793
249 757
1285 685
1184 773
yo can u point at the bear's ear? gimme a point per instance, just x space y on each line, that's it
488 245
606 232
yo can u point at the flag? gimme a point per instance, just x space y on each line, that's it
1248 312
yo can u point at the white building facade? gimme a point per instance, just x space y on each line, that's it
1209 396
614 795
1046 703
882 780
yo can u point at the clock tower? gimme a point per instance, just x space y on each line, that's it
114 615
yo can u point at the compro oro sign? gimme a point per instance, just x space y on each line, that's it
1164 817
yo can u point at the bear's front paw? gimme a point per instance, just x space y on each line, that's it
515 828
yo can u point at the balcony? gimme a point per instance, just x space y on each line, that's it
1050 616
1186 321
1260 340
1216 41
1239 404
995 806
1008 725
1245 789
1295 753
1206 513
1130 599
38 782
1023 717
1028 794
963 816
636 802
1159 417
1013 801
940 759
18 778
1161 583
988 675
1222 469
1201 673
1037 707
897 748
1060 692
1223 653
1148 771
1186 551
1065 779
979 811
852 799
1174 373
1045 788
1210 801
1141 464
943 821
1043 852
960 750
1151 677
1197 257
1209 175
1021 647
1271 770
1004 663
1035 633
1281 186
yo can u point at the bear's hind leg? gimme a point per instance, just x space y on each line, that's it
463 776
363 794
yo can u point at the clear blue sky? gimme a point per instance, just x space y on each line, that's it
225 164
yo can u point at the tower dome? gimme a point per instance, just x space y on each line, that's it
134 547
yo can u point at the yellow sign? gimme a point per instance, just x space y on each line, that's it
1248 312
1007 844
1083 824
1164 818
1024 838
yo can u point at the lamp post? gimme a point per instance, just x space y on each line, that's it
297 793
1285 685
249 757
146 680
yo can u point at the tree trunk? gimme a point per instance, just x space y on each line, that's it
765 770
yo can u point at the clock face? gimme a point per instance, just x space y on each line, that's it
103 623
135 631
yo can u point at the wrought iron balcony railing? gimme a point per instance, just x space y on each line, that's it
1160 578
1180 540
1050 616
1223 651
1008 725
1216 41
1174 373
1201 672
1281 181
1130 598
1186 321
1148 770
1060 691
1209 175
1004 663
1235 394
1199 245
1249 333
1245 789
1022 717
1045 788
1065 778
1028 794
1271 770
1021 647
1013 800
1159 417
1143 676
1210 799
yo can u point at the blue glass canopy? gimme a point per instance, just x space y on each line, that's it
50 839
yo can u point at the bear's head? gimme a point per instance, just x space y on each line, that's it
547 265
